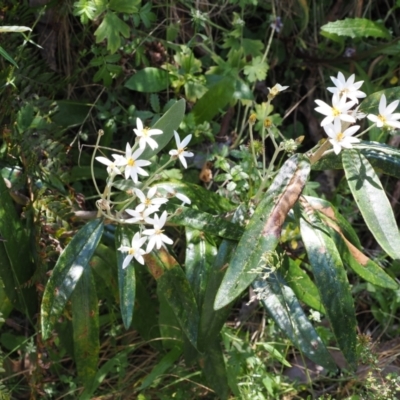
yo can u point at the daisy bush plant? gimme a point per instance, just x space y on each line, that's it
242 228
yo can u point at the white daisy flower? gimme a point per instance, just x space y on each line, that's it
134 251
347 89
132 164
340 138
180 149
112 168
386 116
156 235
338 110
142 216
149 200
144 135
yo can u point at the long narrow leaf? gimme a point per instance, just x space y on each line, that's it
282 305
173 284
200 254
126 277
263 232
372 201
331 280
85 322
67 272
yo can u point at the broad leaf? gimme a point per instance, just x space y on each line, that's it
216 98
148 80
263 231
126 277
85 321
371 103
125 6
67 272
168 123
284 308
331 280
372 201
357 28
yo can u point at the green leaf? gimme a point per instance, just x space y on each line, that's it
372 201
360 263
126 277
200 254
67 272
148 80
263 231
111 28
173 284
331 280
383 158
213 365
168 123
284 308
371 103
85 321
216 98
202 199
125 6
16 266
328 212
257 70
71 113
167 362
7 57
212 321
204 222
302 285
357 28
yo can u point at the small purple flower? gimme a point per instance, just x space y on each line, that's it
349 52
277 24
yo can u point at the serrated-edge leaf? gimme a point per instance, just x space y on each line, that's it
372 201
67 272
168 123
263 231
284 308
126 277
85 322
331 280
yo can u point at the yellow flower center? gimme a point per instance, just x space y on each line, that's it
335 112
132 251
145 132
382 118
147 202
131 162
274 91
339 137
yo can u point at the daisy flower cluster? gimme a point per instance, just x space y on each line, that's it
147 199
340 115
